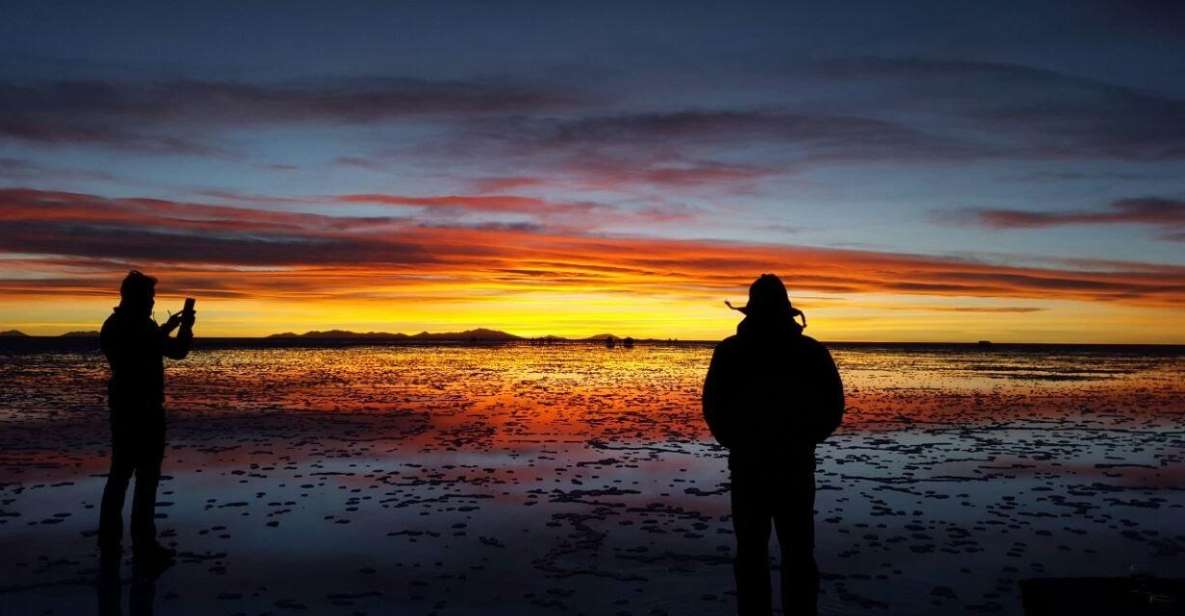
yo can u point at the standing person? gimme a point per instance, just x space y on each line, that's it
772 394
135 347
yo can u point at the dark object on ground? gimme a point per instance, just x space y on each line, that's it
1129 596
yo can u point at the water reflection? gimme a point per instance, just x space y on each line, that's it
396 479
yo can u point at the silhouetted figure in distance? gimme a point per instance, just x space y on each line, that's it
771 394
135 347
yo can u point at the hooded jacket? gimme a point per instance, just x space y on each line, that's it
771 394
135 347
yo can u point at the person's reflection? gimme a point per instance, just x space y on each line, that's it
141 593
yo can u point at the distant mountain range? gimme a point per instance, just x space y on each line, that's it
480 334
16 333
341 334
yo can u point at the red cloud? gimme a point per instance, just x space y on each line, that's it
1165 213
227 251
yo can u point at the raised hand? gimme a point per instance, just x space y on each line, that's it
173 321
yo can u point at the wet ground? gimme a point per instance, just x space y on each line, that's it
577 479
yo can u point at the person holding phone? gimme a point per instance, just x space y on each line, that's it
135 347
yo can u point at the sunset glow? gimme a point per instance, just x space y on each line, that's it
903 194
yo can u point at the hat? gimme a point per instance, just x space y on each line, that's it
768 297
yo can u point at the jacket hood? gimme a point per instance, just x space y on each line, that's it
751 325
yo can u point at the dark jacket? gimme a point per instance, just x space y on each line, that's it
136 347
771 395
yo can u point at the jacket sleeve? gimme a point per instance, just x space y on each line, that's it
714 399
831 399
107 339
178 347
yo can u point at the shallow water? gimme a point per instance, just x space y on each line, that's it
541 479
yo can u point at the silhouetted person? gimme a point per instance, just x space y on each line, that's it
135 347
771 394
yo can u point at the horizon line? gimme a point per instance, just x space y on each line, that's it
363 337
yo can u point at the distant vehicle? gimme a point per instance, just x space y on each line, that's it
610 342
628 342
985 344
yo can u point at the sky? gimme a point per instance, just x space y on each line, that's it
926 171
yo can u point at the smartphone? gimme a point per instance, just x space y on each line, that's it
189 302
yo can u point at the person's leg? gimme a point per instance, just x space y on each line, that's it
109 592
142 596
151 454
751 523
794 518
111 509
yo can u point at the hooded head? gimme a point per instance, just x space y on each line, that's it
769 304
137 294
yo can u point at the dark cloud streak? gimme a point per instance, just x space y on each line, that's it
1044 114
1165 214
155 116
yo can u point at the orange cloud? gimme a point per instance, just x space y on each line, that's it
62 244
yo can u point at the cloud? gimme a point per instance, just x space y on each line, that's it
675 151
1166 214
688 151
893 110
898 111
356 100
502 183
228 248
986 309
265 254
360 162
163 116
679 136
75 131
20 169
1031 113
602 173
1097 176
714 126
477 203
585 214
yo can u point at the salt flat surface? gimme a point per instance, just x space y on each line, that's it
578 479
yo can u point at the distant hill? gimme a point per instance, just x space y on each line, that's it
337 334
482 334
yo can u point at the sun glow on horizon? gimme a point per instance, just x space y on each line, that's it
870 318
